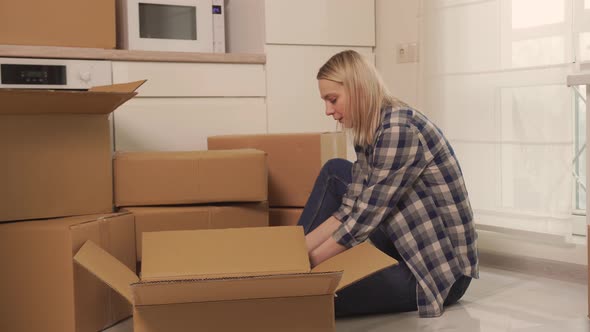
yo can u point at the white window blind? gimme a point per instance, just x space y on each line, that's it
493 78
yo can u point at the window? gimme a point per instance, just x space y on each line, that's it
579 171
493 78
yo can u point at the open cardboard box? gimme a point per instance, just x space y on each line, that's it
248 279
57 151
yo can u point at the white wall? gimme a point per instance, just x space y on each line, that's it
397 22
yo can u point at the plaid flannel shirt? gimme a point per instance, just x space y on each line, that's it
409 183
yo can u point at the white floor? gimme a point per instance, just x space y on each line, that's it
499 301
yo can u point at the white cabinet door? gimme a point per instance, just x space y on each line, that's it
321 22
167 79
181 124
294 103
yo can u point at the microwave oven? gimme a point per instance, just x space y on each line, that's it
171 25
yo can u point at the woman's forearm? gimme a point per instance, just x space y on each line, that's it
321 233
320 243
326 250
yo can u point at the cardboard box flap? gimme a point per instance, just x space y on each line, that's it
121 87
107 268
22 101
218 253
258 287
357 263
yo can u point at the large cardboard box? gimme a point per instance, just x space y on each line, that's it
43 290
56 151
294 160
284 216
168 178
231 280
178 218
72 23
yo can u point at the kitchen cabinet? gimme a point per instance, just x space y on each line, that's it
182 104
254 24
320 22
173 79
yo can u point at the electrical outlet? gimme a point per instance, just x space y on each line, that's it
407 52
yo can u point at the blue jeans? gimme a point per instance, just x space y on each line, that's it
390 290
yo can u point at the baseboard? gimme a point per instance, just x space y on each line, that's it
536 266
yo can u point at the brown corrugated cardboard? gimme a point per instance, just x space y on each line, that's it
42 290
57 151
225 280
178 218
168 178
284 216
298 313
294 160
171 255
70 23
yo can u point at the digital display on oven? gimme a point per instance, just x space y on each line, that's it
32 74
217 10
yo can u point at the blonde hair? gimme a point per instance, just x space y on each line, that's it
367 94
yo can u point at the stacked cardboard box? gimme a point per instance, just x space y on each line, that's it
173 218
284 216
42 289
294 162
57 163
57 151
229 186
70 23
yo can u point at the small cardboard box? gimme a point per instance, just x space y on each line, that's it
169 178
248 279
294 160
179 218
71 23
56 149
284 216
43 290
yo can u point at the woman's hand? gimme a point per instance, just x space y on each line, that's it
326 250
321 233
320 244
